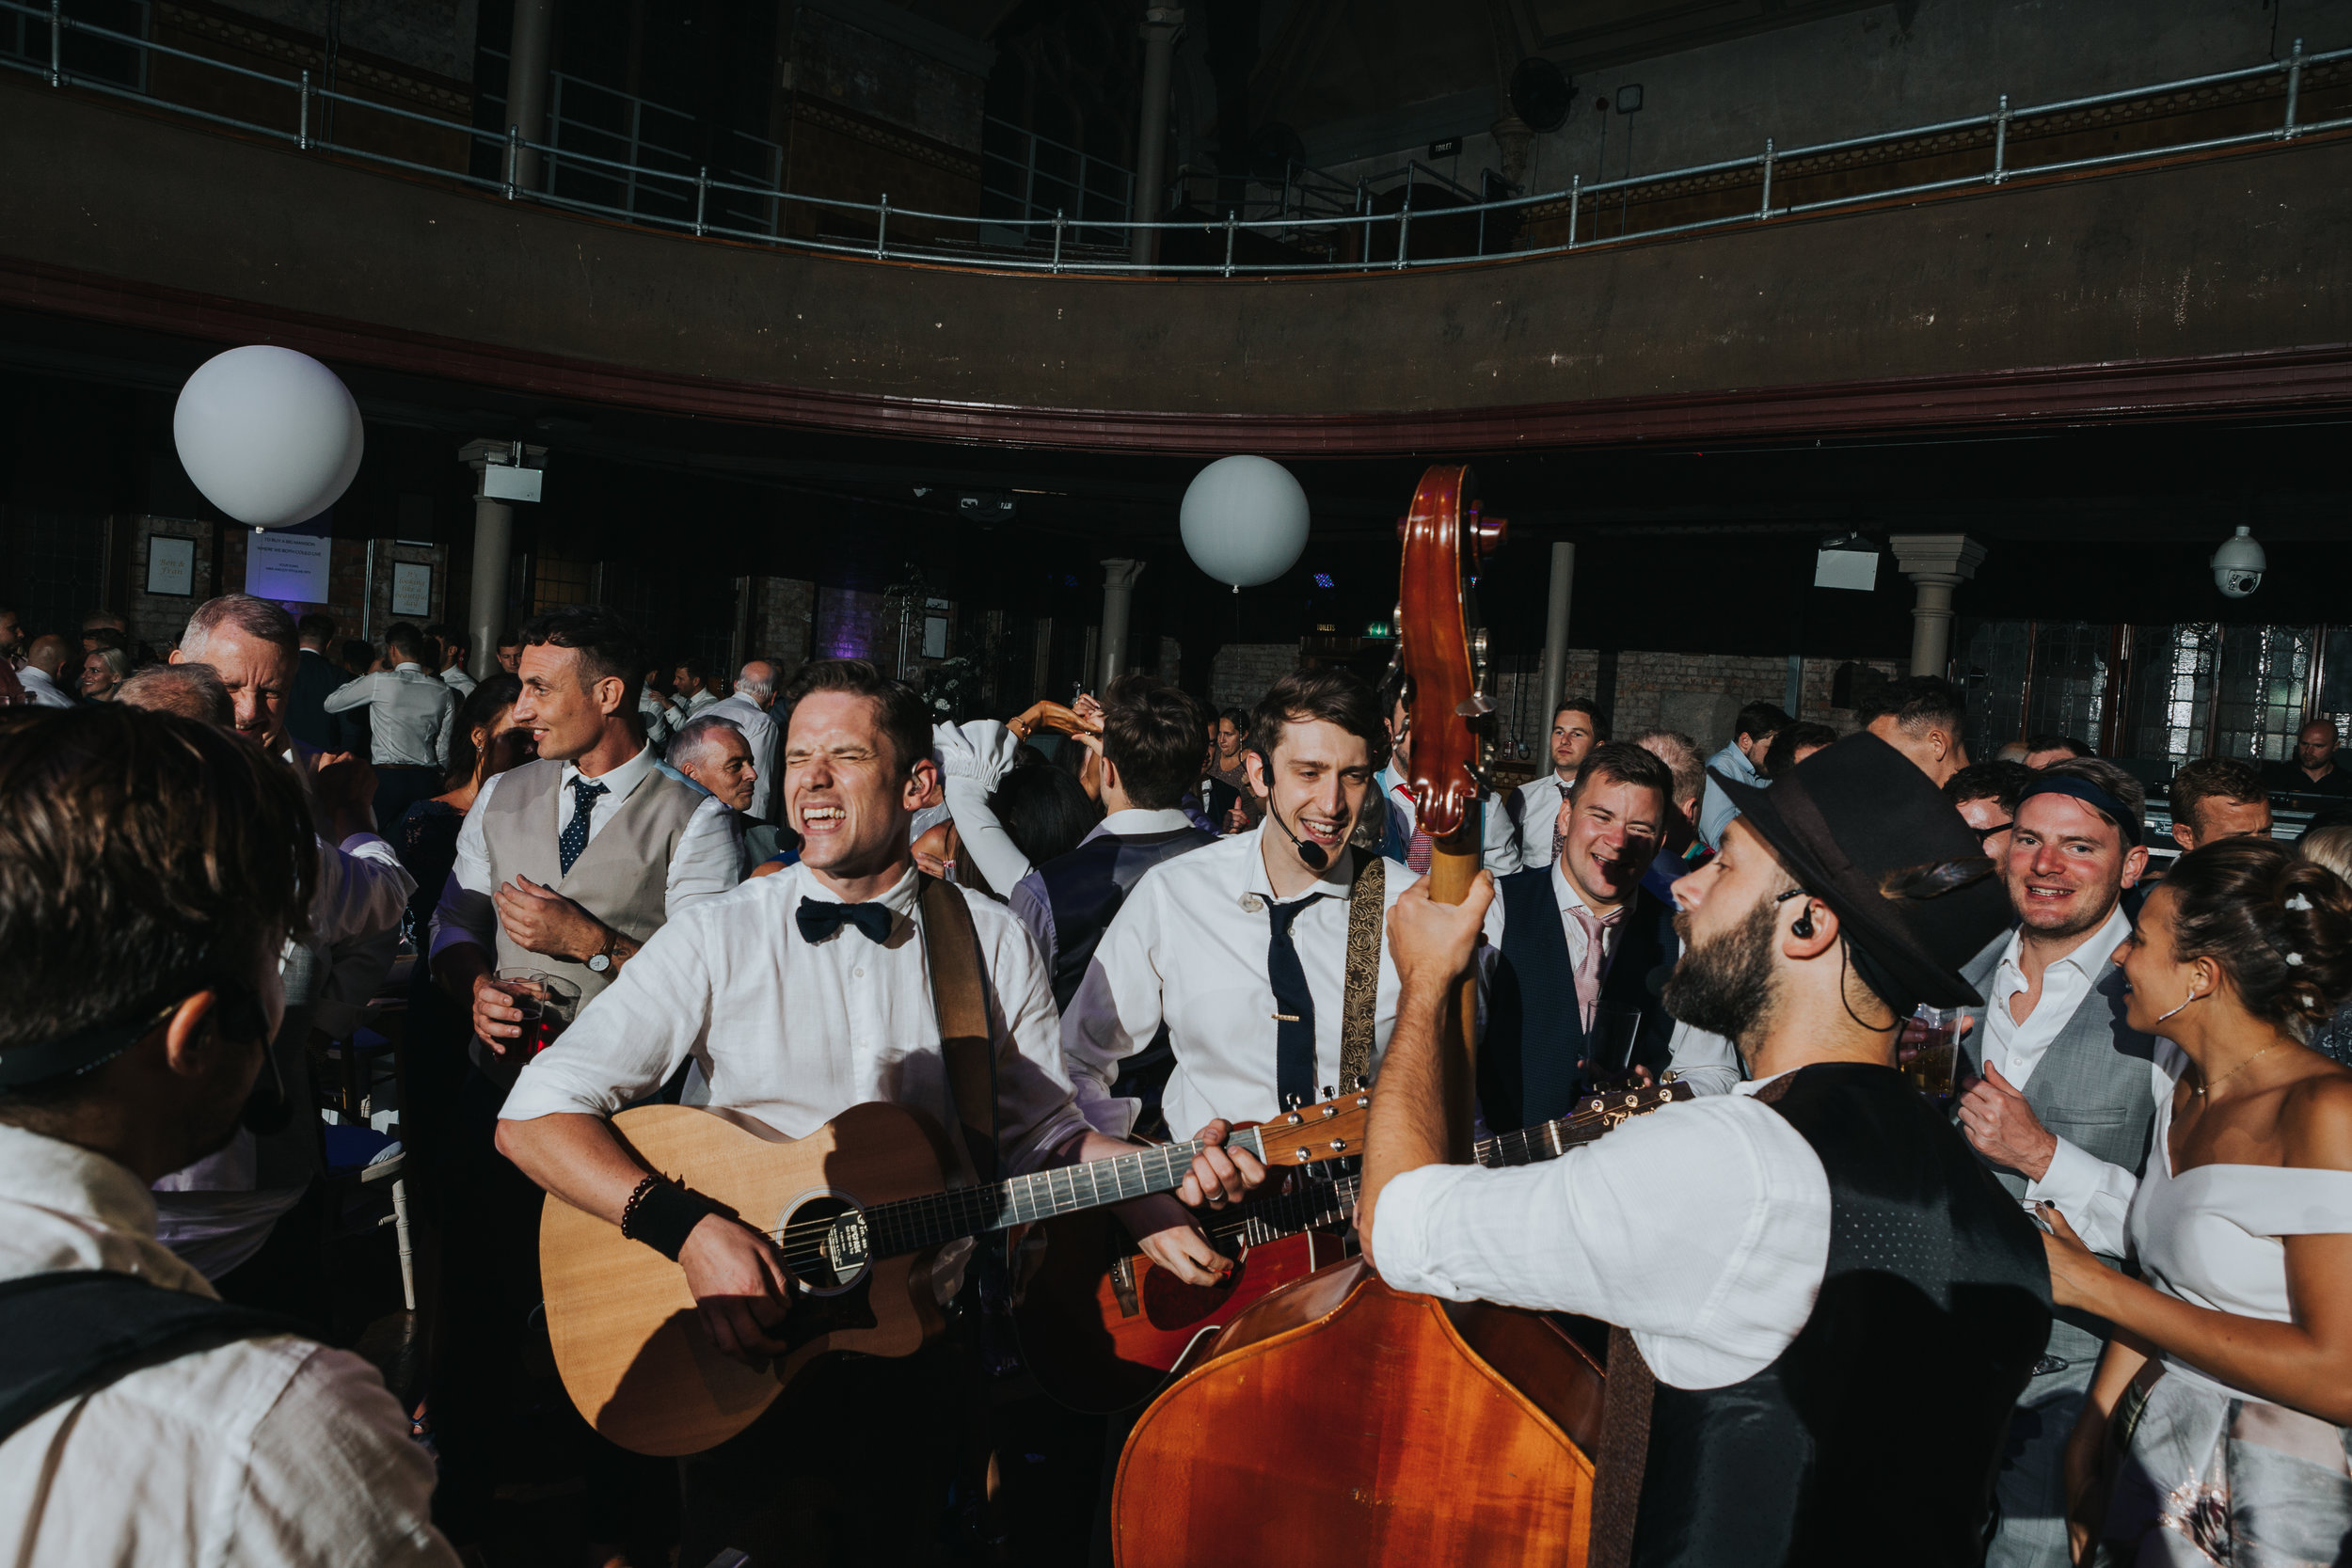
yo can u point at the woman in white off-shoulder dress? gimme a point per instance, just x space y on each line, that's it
2216 1428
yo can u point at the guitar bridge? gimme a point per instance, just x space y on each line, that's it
1123 1285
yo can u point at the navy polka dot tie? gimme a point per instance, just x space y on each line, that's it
575 836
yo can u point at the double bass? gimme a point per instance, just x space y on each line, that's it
1340 1422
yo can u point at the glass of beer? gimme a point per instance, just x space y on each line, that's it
547 1002
1927 1050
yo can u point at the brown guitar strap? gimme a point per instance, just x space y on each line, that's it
1624 1452
1366 904
951 949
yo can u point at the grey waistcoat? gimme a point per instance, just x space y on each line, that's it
621 878
2092 1088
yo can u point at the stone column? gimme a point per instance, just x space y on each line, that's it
1118 594
1555 642
493 545
1936 564
529 81
1161 23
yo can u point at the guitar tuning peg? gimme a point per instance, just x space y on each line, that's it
1330 1093
1292 1101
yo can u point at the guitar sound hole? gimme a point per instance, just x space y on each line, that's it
824 1244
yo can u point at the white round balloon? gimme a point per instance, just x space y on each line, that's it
1245 520
271 437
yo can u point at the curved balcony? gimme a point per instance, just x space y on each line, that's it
2214 280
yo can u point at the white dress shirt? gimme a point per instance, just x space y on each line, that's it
2096 1196
1188 948
683 709
1498 843
794 1031
1715 808
455 678
1708 1063
1035 909
761 734
40 688
974 759
1538 802
656 715
1703 1228
708 858
1564 894
411 716
214 1214
257 1453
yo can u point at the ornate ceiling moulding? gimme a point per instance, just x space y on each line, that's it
2218 385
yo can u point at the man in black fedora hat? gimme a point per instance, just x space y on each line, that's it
1838 1308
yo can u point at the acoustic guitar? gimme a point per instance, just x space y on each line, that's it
1102 1327
859 1210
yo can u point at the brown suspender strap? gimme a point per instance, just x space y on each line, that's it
1624 1453
1367 903
952 949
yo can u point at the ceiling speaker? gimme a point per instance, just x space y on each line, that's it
1541 93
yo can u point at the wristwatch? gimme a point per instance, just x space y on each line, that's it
601 962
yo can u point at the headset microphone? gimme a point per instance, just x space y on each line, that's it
1309 855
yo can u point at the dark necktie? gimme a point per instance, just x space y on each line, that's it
1294 1010
574 835
819 920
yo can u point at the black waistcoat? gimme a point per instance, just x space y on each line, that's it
1875 1437
1084 888
1532 1057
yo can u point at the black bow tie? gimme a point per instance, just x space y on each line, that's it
819 920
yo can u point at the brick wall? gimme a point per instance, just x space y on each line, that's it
783 621
1241 671
156 619
361 605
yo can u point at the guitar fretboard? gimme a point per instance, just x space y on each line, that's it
1311 1203
937 1218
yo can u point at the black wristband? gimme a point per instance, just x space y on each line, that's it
662 1214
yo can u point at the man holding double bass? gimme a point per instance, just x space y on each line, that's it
1839 1309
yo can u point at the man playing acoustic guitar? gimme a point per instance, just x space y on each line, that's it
1839 1309
795 998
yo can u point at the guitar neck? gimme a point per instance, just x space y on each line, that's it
938 1218
1315 1203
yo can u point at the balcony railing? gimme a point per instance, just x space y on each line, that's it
655 190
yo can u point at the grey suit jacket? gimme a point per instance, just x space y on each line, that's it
2092 1086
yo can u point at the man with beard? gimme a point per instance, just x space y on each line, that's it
1567 983
1837 1308
2068 1091
152 870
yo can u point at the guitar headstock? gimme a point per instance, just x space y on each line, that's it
1611 1107
1330 1130
1441 649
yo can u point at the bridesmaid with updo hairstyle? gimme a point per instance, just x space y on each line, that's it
2216 1427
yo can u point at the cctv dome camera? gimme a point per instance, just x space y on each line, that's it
2239 564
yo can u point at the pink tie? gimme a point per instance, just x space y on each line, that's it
1589 968
1417 848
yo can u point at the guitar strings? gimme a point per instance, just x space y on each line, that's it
805 1232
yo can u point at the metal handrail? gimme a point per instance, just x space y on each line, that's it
694 188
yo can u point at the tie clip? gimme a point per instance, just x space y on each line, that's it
1286 1018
